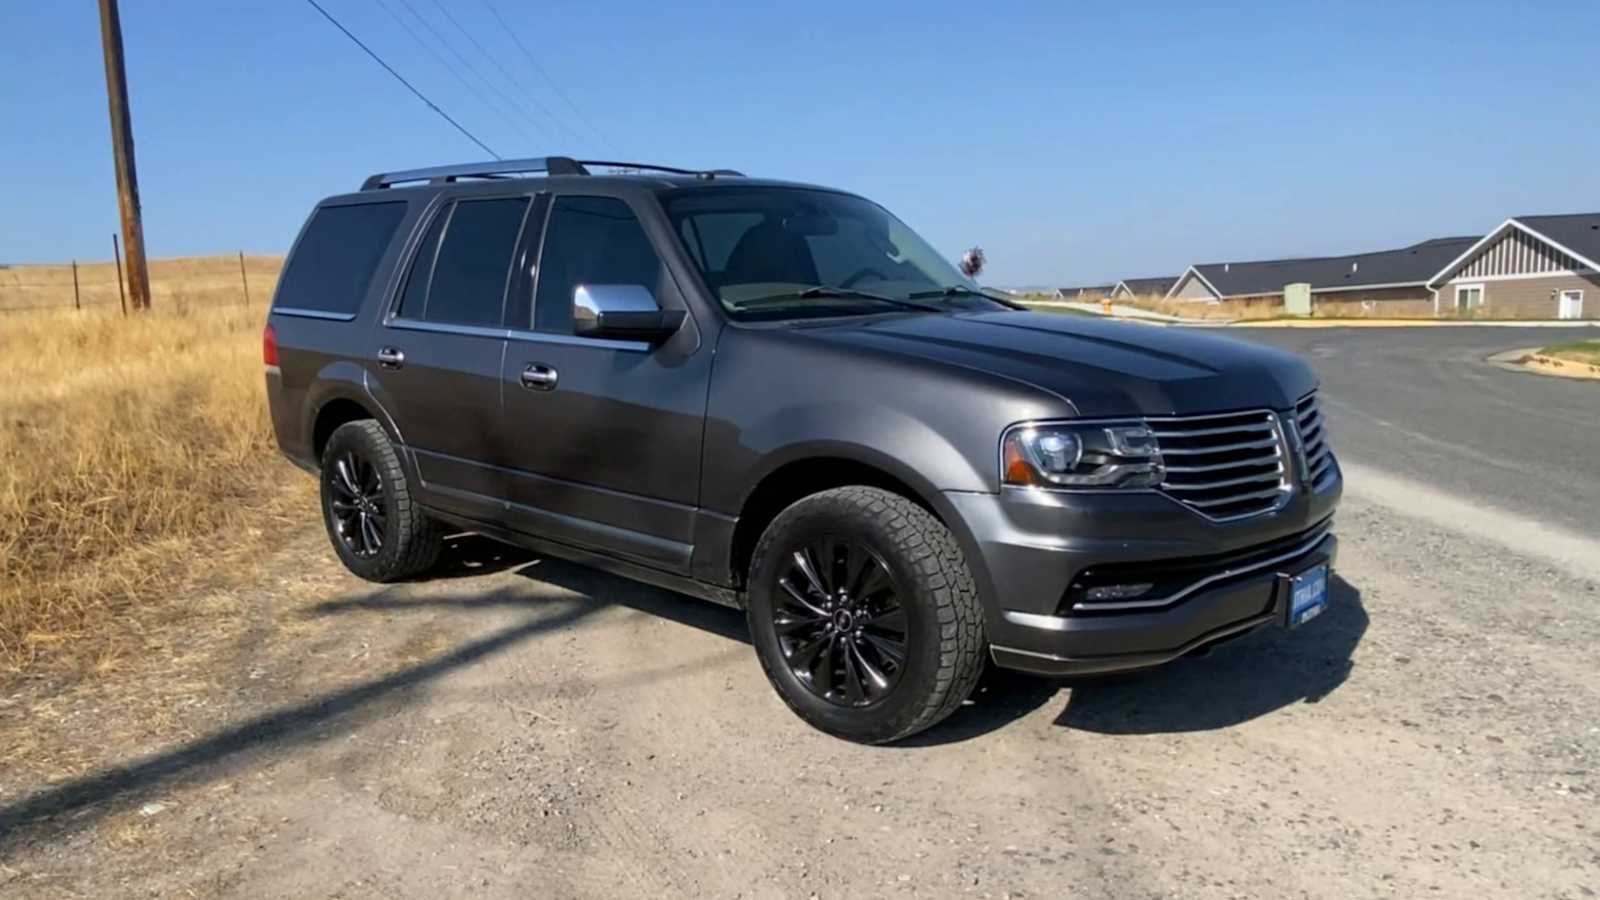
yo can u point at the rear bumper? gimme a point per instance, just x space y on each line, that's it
1034 554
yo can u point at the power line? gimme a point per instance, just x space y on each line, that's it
534 62
400 78
450 67
511 104
503 70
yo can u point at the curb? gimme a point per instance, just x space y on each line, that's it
1530 361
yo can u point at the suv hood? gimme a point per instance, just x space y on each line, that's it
1104 369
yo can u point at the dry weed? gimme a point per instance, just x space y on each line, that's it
136 452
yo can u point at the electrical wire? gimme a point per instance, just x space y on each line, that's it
534 62
450 67
514 80
400 78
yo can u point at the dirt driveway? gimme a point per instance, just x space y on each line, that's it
531 728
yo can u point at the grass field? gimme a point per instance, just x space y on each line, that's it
138 455
1587 352
176 285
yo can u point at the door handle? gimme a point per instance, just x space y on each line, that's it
539 377
391 357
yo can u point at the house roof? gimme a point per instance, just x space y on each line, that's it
1098 290
1576 235
1142 286
1406 266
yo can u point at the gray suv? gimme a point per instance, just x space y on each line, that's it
778 397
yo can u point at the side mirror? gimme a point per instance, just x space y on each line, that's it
623 312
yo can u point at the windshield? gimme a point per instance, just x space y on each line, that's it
780 253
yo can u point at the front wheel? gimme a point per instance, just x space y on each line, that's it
865 615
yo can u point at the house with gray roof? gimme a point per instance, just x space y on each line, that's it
1386 282
1540 267
1091 294
1129 288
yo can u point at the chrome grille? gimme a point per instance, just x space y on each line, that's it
1314 440
1225 466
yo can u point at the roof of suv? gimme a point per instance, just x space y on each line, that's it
561 171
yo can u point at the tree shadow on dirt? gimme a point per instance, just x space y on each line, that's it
81 801
1239 681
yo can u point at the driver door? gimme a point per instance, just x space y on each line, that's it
603 436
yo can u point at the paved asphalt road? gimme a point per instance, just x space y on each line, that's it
1423 404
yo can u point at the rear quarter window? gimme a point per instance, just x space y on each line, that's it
333 263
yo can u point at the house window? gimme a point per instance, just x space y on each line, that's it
1571 305
1468 297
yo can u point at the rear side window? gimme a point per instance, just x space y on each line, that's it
335 258
458 275
590 240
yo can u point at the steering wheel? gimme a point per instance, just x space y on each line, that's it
860 274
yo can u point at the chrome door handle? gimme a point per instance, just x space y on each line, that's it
539 377
391 357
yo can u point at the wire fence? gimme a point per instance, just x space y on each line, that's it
175 284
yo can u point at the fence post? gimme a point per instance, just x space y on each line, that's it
244 279
77 301
116 250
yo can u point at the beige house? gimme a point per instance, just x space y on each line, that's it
1531 267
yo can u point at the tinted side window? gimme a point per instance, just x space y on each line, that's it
334 261
590 240
415 298
468 286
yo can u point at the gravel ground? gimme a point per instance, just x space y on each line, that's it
526 727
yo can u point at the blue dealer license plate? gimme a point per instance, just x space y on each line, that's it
1308 595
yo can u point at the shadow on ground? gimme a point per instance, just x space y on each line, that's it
1260 674
1235 683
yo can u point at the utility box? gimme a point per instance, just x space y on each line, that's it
1297 299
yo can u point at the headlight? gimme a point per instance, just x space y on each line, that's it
1083 456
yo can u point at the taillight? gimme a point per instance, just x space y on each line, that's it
269 345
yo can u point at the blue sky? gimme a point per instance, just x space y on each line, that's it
1076 142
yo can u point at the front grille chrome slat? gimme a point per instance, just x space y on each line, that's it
1314 441
1225 467
1264 444
1236 498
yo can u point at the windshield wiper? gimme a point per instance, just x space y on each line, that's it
957 290
828 290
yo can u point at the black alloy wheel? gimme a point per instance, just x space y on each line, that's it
839 621
357 505
374 521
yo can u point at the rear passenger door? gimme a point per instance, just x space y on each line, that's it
605 444
436 355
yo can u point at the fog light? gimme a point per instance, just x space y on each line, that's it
1109 592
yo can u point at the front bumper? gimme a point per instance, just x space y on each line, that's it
1215 580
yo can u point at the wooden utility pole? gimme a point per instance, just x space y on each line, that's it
245 279
77 301
122 152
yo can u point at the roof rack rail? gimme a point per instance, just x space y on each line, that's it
550 165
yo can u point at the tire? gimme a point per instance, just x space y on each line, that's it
883 536
363 482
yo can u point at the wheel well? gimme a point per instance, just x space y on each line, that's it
333 414
795 481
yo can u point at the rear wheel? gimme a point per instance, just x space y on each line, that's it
376 527
864 614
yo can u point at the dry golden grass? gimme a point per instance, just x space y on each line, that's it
137 453
176 285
